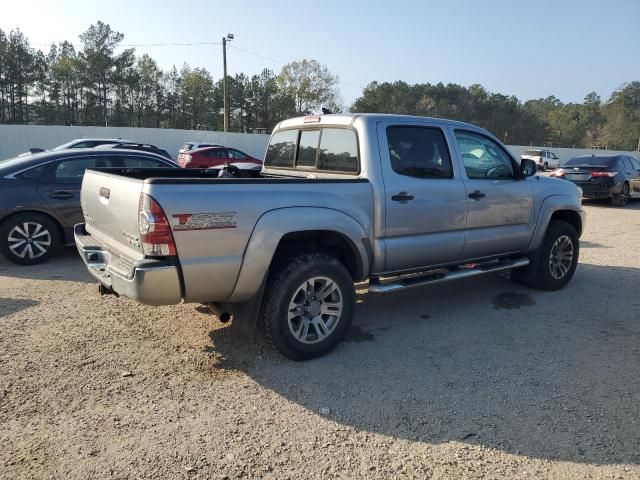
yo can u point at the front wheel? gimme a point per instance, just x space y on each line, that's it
308 305
555 262
28 238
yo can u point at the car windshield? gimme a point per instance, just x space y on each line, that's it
600 161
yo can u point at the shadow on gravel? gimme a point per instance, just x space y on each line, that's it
555 378
9 306
67 266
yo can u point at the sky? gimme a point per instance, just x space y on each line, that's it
527 48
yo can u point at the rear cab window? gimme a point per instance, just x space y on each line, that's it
326 149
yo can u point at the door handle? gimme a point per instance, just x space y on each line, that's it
402 197
61 194
477 195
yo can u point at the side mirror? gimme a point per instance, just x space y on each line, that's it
528 168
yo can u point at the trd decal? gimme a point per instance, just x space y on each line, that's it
204 221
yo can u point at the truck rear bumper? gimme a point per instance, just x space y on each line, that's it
152 282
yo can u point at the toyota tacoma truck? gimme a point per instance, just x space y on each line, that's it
398 201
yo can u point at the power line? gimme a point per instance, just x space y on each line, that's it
188 44
138 44
284 63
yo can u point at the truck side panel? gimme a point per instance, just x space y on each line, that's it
212 222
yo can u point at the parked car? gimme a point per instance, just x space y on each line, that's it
188 146
143 147
40 197
78 143
91 143
545 159
344 198
616 177
208 157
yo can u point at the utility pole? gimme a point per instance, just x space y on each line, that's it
224 81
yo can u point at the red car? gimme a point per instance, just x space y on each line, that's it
208 157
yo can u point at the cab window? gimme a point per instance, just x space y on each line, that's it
282 149
419 152
483 158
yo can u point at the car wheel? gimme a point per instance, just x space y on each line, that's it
28 238
545 167
622 199
308 305
555 262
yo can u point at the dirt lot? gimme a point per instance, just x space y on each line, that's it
480 378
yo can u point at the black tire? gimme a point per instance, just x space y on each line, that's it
622 199
543 272
41 238
284 287
545 167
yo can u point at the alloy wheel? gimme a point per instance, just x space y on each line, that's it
315 309
29 240
561 257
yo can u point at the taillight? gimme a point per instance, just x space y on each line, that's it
603 174
155 231
557 173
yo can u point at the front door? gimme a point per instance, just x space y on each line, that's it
425 208
500 216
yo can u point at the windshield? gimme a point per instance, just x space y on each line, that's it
600 161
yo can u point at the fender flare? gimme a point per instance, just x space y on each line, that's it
549 206
275 224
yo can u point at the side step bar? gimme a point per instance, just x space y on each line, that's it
441 275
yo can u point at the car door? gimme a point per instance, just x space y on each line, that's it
634 176
500 216
61 182
425 209
217 157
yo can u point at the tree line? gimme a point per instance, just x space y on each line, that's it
94 85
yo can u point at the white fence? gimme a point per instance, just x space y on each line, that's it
15 139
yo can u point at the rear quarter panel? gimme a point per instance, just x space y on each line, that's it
211 257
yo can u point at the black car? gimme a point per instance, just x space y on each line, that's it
616 177
142 147
40 197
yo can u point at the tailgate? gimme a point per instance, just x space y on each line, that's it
110 209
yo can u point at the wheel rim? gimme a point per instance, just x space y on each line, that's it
29 240
315 309
625 194
561 257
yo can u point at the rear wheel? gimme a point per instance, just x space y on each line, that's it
28 238
622 199
308 305
555 262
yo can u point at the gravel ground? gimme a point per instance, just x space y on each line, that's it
475 379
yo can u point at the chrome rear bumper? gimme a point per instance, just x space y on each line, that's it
152 282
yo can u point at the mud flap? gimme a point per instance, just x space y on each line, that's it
246 315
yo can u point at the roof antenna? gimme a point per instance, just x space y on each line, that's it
326 111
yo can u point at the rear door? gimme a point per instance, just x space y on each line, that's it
61 182
424 197
500 216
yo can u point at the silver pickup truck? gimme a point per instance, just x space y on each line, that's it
399 201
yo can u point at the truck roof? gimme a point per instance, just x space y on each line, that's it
350 118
